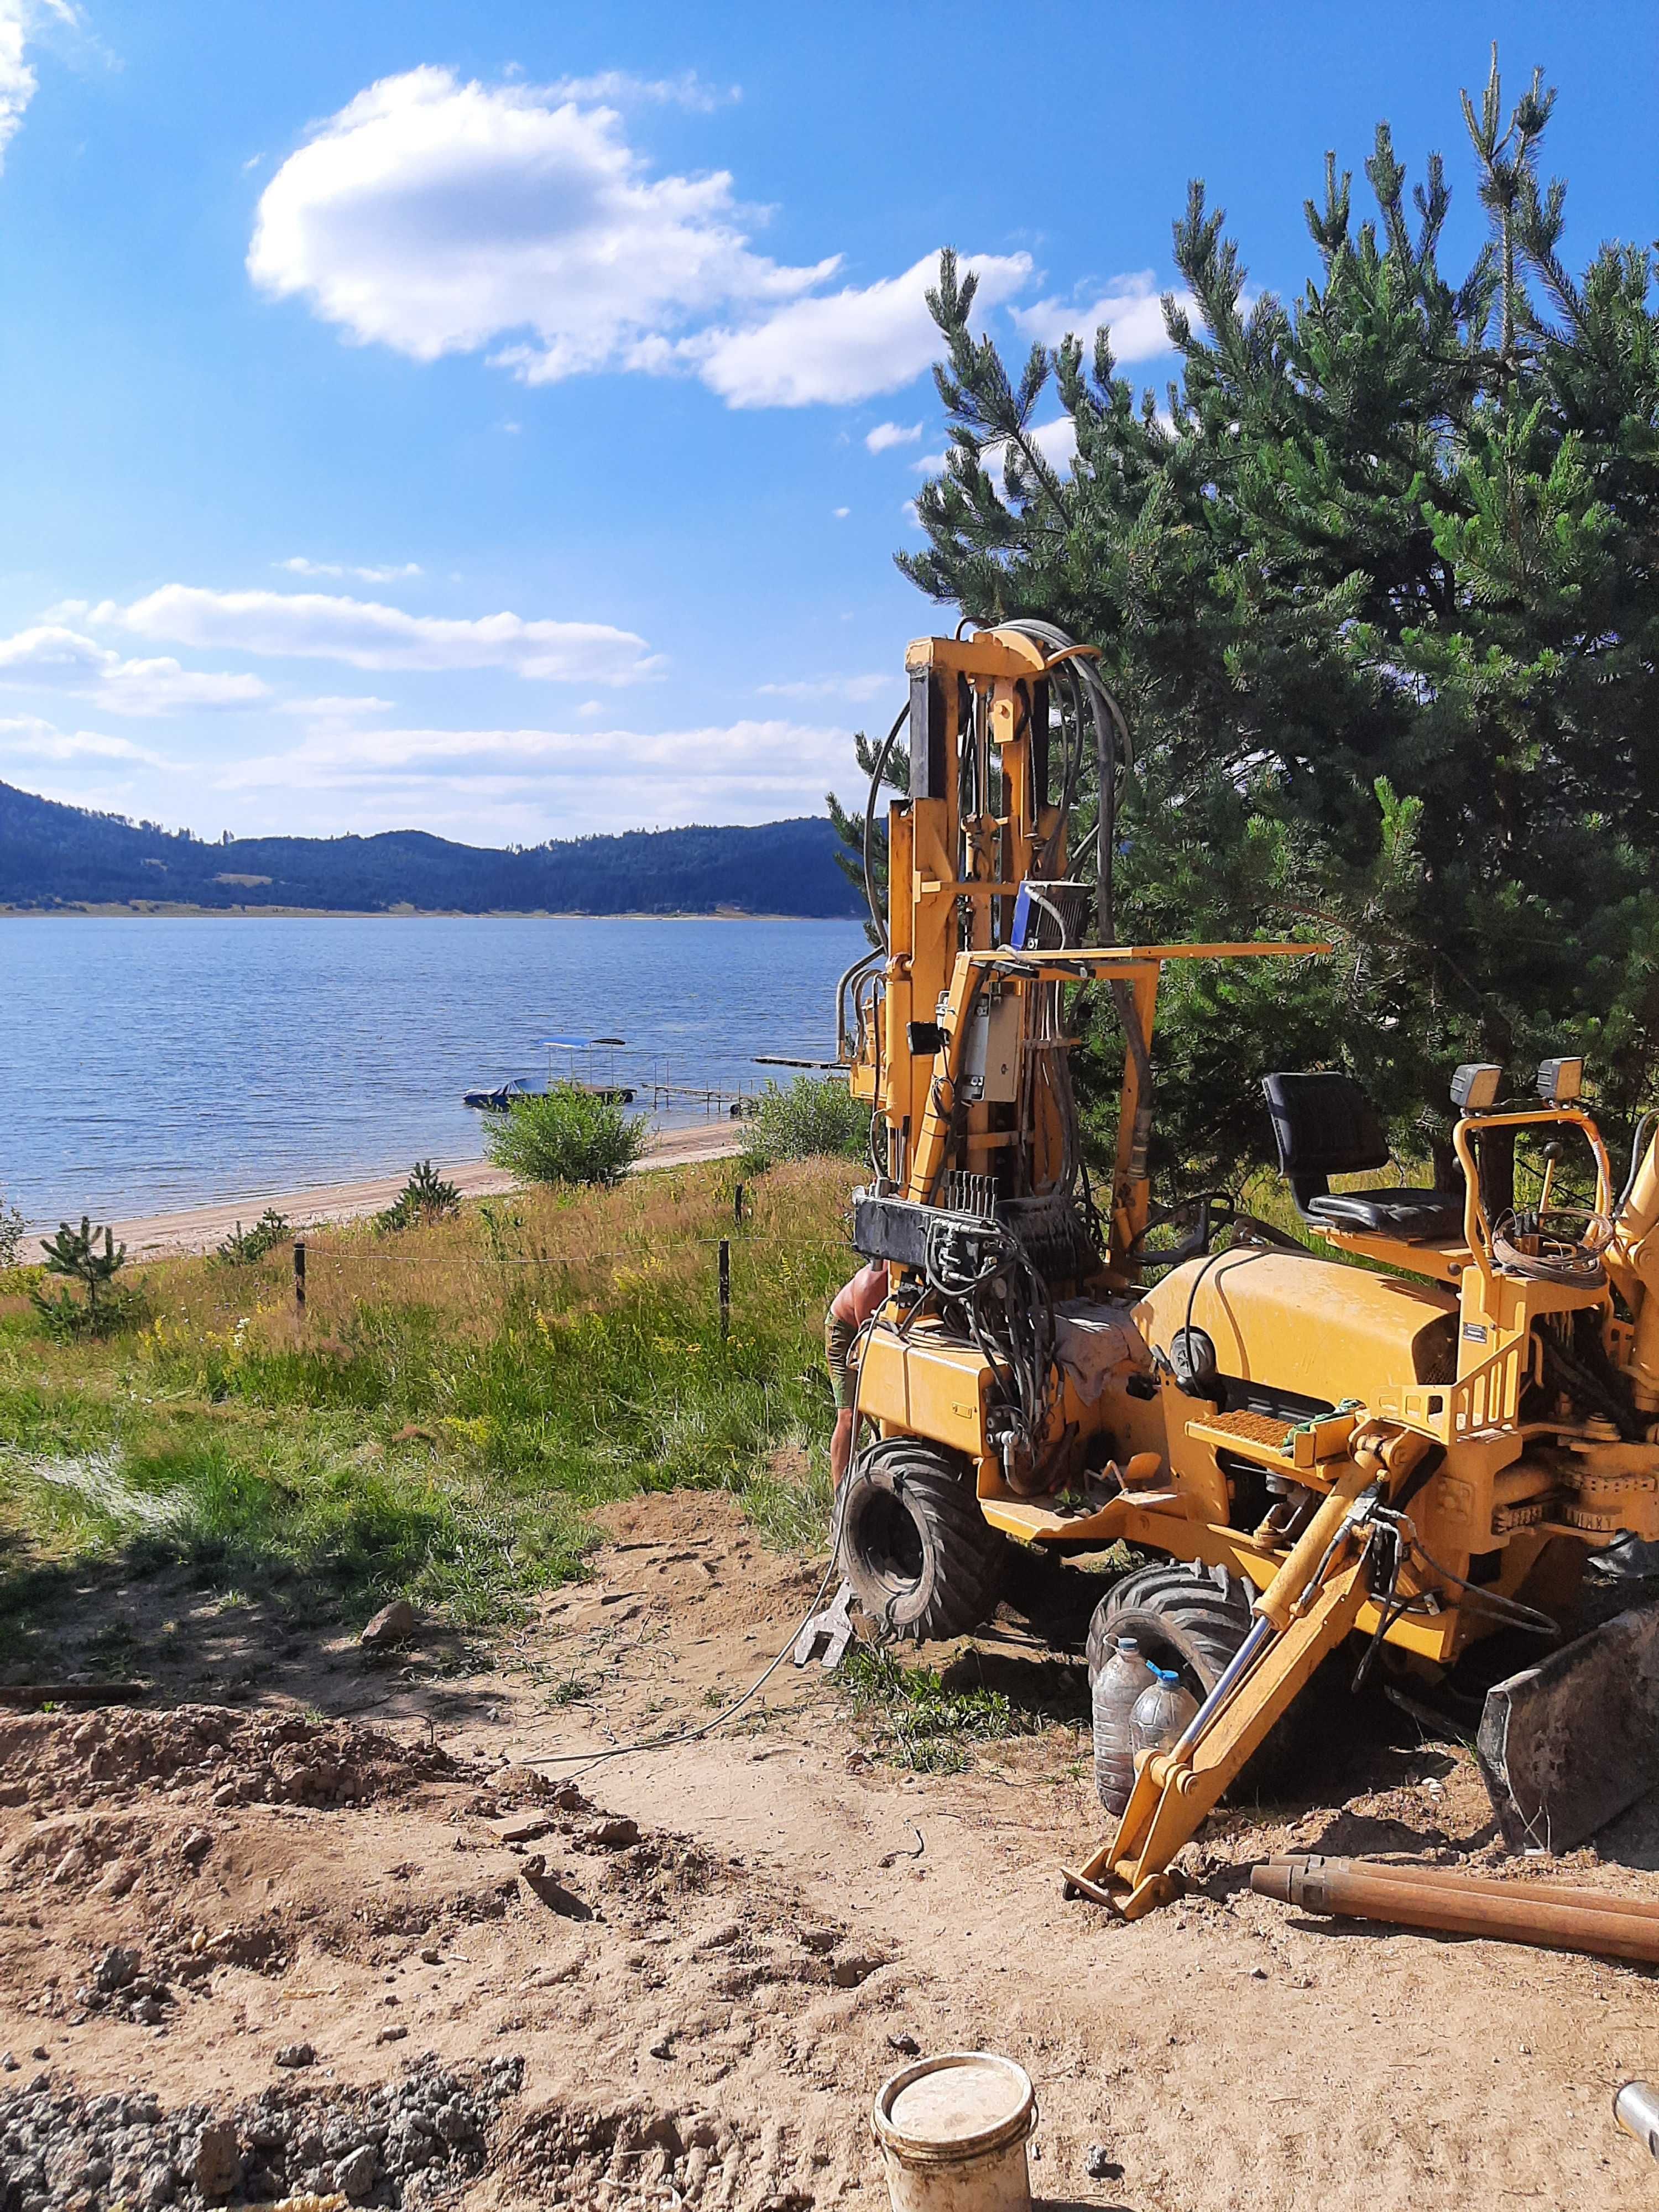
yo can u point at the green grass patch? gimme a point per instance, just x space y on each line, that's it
918 1721
444 1417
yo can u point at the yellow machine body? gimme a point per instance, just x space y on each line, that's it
1343 1383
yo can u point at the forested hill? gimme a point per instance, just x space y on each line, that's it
53 856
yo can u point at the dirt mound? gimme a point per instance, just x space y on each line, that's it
209 1752
631 2152
399 2143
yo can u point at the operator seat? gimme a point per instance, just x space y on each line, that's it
1324 1125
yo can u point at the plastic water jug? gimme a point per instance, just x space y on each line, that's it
1118 1688
1161 1713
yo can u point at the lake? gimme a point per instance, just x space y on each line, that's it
148 1065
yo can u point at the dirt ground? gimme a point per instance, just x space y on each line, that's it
677 1978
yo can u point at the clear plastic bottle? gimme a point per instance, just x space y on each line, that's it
1120 1683
1161 1713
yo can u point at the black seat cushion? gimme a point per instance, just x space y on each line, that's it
1418 1216
1324 1124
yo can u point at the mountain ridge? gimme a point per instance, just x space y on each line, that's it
55 858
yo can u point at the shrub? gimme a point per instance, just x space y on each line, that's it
107 1305
816 1118
425 1197
244 1246
566 1134
11 1234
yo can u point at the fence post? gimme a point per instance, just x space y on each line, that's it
725 1288
737 1205
299 1275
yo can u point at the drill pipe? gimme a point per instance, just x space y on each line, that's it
1453 1904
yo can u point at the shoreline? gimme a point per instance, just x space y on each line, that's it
199 1228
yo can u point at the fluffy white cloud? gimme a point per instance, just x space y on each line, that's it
18 83
855 688
33 739
892 434
52 657
323 626
845 345
299 566
436 216
1130 309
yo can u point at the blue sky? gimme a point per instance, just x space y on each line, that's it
499 419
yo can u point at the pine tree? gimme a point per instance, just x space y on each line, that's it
1379 591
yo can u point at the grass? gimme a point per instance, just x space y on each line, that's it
921 1723
447 1412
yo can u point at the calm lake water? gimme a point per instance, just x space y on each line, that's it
147 1064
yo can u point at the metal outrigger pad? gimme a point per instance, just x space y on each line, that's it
834 1626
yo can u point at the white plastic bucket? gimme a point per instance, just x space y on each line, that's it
953 2132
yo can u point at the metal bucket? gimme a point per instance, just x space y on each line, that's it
953 2131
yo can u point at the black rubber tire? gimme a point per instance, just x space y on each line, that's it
920 1556
1194 1619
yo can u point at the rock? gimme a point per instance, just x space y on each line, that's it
296 2054
906 2046
39 2051
857 1966
116 1969
1100 2163
663 2045
217 2165
612 1835
9 2061
354 2174
227 1793
194 1846
159 2186
391 2035
393 1625
431 1956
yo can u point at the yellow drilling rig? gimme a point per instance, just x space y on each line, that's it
1410 1456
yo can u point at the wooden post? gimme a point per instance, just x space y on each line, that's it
725 1288
300 1275
737 1205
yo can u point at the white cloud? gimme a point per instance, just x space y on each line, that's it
511 783
33 739
856 688
686 90
18 83
363 633
334 706
436 216
1130 309
50 657
842 346
892 434
841 514
299 566
931 465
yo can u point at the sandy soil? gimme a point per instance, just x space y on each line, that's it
201 1228
708 1957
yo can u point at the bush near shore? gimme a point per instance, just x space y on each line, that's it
449 1408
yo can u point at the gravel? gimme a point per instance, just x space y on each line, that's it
387 2146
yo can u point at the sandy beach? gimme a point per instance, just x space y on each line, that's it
201 1228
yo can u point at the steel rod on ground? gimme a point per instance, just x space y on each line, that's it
1448 1905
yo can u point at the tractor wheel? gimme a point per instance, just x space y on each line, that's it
921 1557
1193 1618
